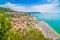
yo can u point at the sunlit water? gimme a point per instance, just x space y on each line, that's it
53 19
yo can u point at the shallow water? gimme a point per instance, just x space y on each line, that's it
53 19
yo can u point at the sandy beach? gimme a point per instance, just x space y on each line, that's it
47 30
52 30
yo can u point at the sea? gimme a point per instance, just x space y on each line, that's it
52 19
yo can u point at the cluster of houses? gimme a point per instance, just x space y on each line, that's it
20 22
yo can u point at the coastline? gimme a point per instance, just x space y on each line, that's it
52 30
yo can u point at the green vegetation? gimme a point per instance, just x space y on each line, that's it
4 25
25 34
11 15
7 33
6 9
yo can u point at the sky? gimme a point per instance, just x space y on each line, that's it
44 6
26 2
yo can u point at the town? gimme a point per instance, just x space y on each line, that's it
20 22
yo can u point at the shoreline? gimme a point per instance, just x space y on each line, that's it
52 30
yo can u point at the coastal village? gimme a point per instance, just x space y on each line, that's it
29 19
20 22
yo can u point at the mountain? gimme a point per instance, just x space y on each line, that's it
5 9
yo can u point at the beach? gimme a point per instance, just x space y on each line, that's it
53 30
47 31
53 22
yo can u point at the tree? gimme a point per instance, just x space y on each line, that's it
6 33
4 24
6 9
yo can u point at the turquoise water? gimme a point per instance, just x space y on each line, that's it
55 25
53 19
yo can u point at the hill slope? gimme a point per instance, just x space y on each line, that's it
6 9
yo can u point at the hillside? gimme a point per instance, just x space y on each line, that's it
18 26
5 9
